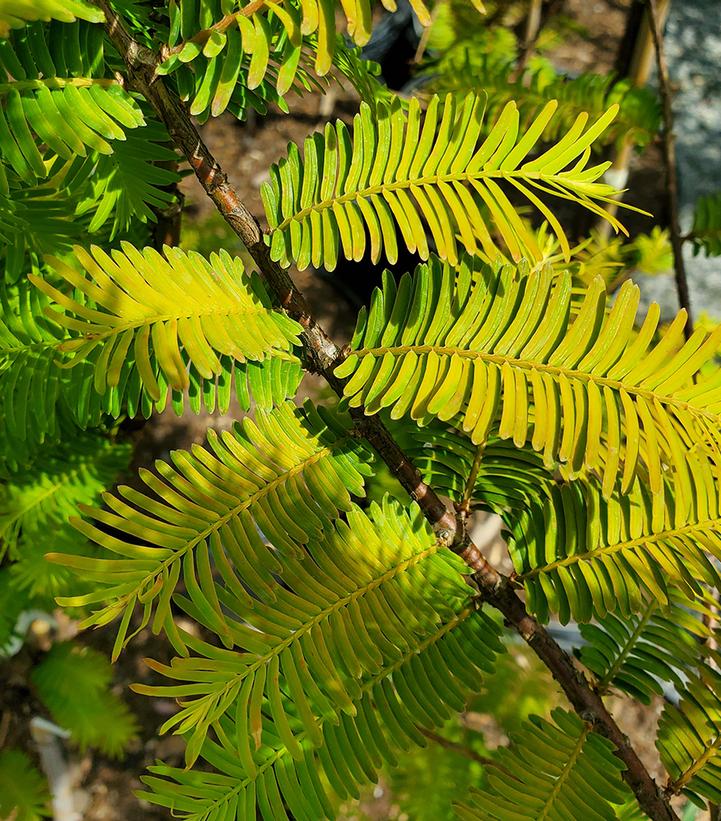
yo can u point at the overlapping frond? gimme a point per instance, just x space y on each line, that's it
74 682
56 100
252 30
554 770
580 555
132 183
35 220
16 13
403 169
173 320
37 502
499 350
362 593
282 478
638 653
31 384
706 228
502 477
303 776
468 67
689 739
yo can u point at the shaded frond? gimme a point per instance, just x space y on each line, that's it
638 653
580 555
359 596
74 683
466 68
505 478
36 503
282 478
132 183
419 683
499 350
166 320
402 169
554 770
689 739
16 13
32 386
24 794
706 229
36 220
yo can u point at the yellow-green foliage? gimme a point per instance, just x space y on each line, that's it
326 637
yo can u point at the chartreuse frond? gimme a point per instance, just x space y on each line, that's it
689 738
74 683
247 36
286 475
499 350
554 770
173 320
55 102
402 169
706 229
24 794
380 637
36 503
16 13
659 644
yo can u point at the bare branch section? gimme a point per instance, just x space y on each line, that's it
322 355
669 160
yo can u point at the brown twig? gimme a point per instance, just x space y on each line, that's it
461 749
321 356
669 158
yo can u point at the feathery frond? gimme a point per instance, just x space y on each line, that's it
282 478
706 228
689 739
132 183
74 682
16 13
580 555
37 503
172 319
71 116
31 384
636 654
554 770
375 586
498 350
401 169
255 29
466 67
417 675
24 792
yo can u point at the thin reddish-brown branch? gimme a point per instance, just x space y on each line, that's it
669 159
321 356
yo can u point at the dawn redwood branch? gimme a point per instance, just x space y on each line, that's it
322 356
586 702
669 159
